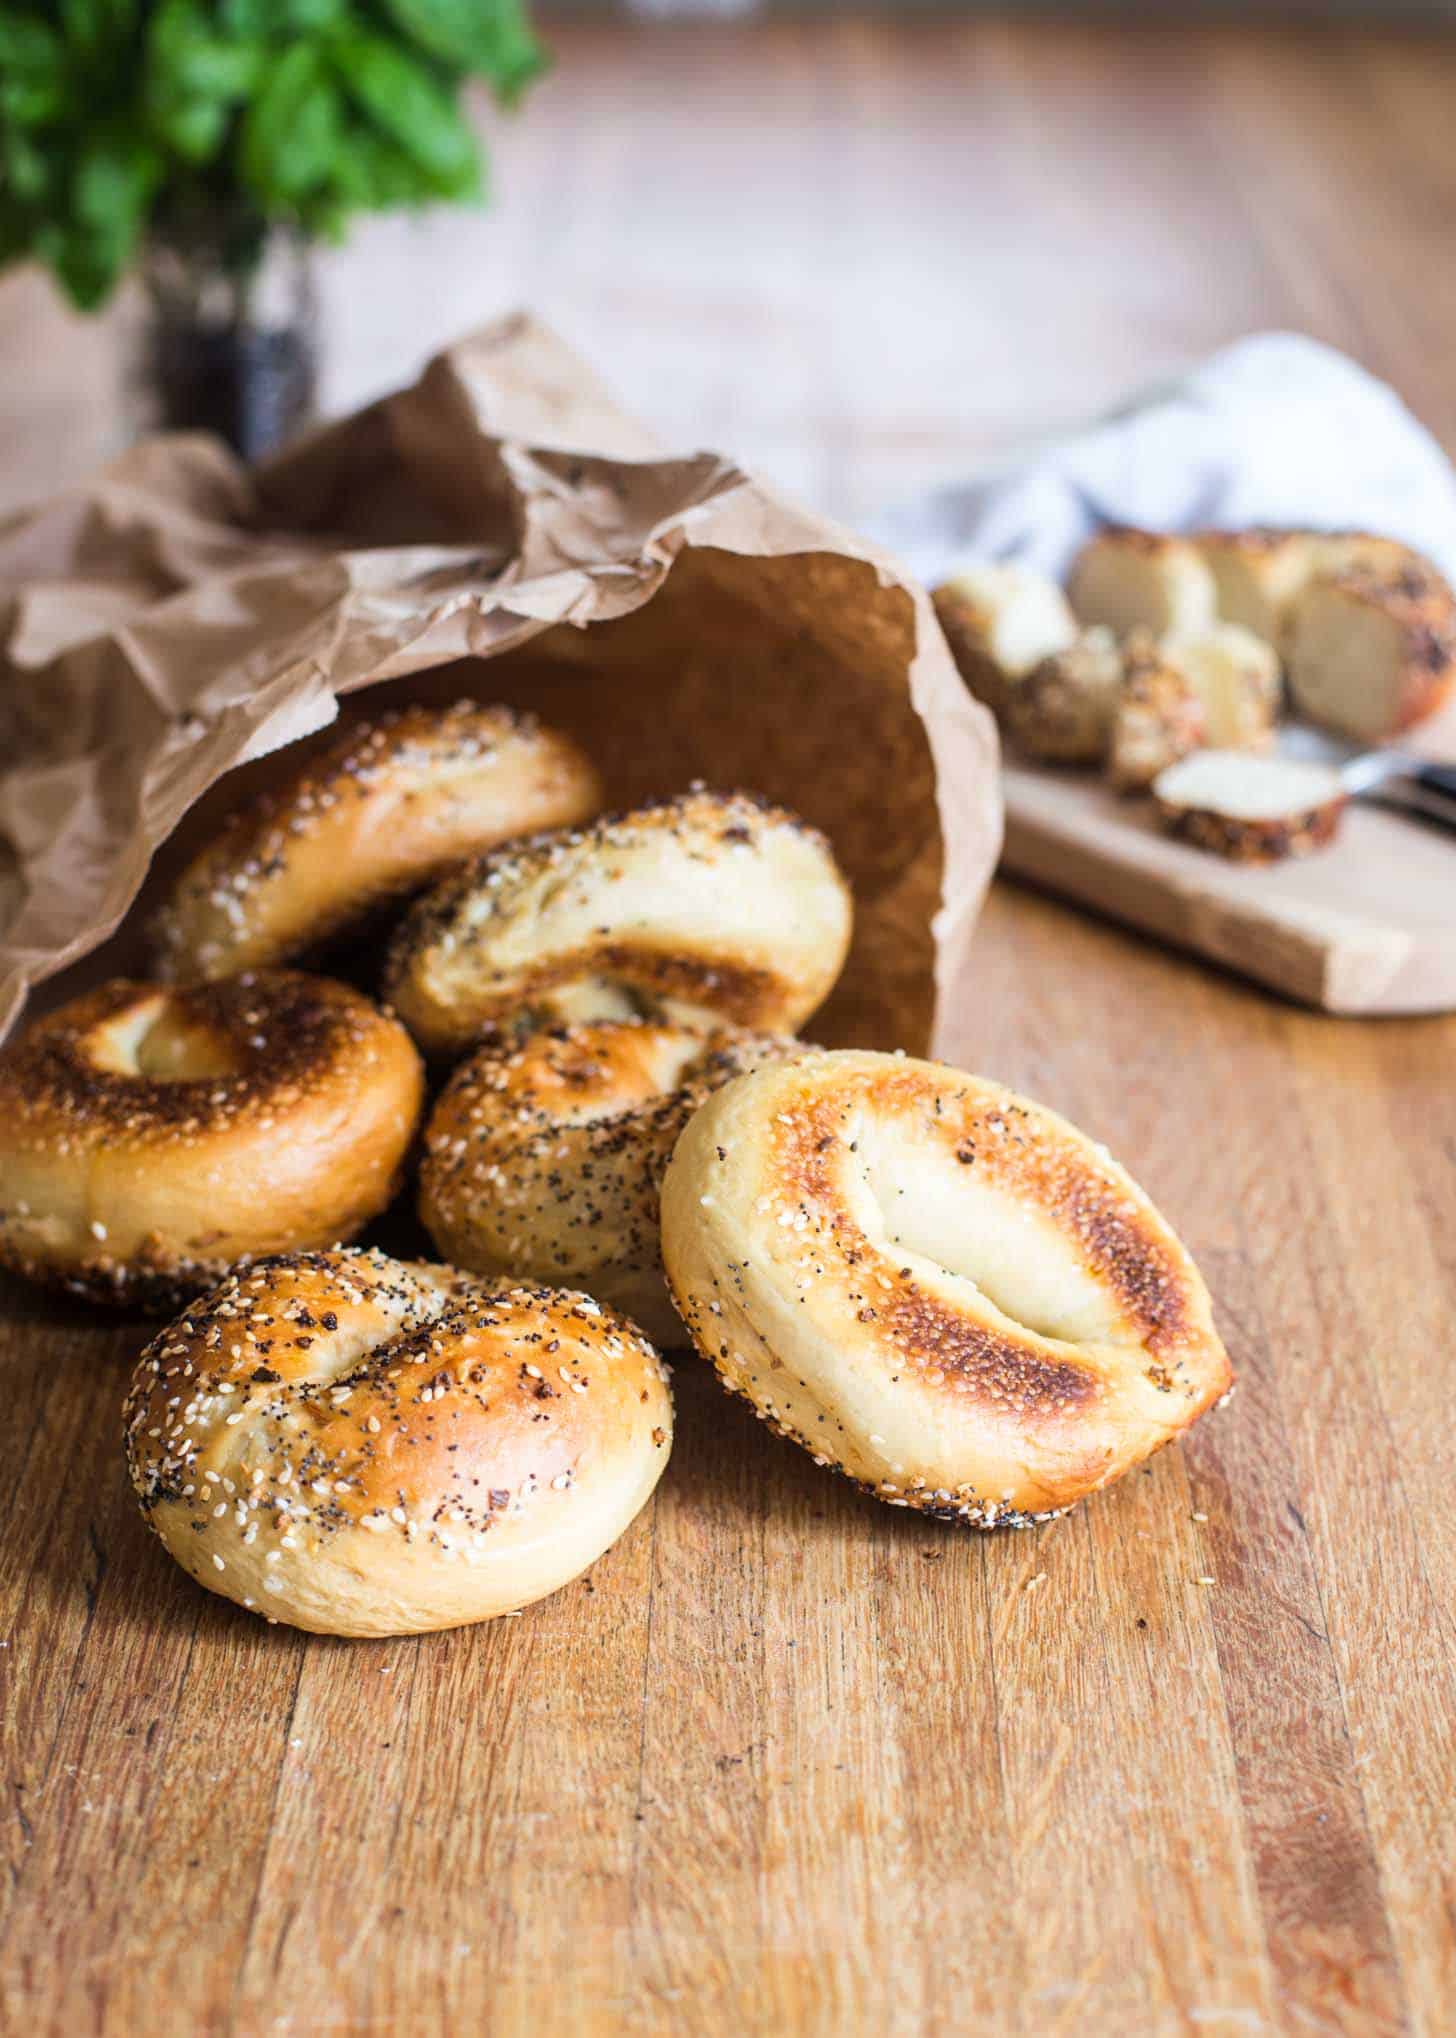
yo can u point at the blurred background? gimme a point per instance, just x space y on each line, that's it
865 250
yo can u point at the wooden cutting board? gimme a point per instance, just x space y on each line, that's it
1367 925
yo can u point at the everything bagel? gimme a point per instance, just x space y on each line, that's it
358 1446
547 1156
150 1136
709 909
385 808
934 1285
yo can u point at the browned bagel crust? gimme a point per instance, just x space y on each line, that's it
963 622
1157 719
804 1270
361 1446
704 909
1241 840
546 1156
1262 572
1419 607
1062 711
150 1136
380 812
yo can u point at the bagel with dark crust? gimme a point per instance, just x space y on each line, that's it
704 910
934 1285
359 1446
151 1135
546 1156
383 809
1250 809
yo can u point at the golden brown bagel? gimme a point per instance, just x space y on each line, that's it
1235 675
1159 716
150 1136
386 807
363 1447
1000 622
1372 653
547 1157
1262 573
943 1290
708 908
1062 711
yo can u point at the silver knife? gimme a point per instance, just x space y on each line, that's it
1402 779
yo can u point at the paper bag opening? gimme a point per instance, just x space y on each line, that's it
177 627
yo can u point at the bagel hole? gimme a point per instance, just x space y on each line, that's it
156 1042
666 1061
931 1210
594 1000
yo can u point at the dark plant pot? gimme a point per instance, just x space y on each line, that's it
230 341
254 389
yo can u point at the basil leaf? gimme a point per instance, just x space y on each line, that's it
403 99
186 60
116 175
196 130
24 168
114 178
82 266
34 101
291 129
29 49
374 172
97 27
491 37
258 20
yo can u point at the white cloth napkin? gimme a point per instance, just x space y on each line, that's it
1276 429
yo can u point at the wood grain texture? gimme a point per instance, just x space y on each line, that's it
787 1761
1367 925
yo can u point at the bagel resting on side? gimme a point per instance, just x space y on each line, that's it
151 1135
938 1287
362 1446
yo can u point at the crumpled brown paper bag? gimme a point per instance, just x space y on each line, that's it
179 617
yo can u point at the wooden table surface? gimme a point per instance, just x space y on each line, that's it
787 1761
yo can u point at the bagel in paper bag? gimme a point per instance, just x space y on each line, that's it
498 531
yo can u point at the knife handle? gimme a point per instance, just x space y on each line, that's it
1425 789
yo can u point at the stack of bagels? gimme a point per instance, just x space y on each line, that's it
579 1039
1167 660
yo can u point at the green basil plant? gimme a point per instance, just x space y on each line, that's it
120 117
